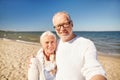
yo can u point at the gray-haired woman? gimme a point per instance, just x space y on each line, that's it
43 66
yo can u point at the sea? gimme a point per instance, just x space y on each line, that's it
107 42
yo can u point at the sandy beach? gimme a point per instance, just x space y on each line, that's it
14 58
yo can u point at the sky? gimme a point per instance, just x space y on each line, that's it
36 15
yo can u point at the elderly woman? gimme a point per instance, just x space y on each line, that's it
43 66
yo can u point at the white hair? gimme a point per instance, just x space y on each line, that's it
63 13
47 33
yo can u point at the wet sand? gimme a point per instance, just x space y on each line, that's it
14 58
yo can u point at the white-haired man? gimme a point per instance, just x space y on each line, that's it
76 56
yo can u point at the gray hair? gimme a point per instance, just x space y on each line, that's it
47 33
64 13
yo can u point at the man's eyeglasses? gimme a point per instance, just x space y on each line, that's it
64 25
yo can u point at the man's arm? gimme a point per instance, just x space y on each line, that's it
92 69
98 77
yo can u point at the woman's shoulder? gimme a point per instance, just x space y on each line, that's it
40 52
40 55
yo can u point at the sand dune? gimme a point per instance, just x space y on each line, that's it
14 61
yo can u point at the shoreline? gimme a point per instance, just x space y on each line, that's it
109 55
21 41
14 58
117 55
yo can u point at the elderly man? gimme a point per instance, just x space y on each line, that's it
76 56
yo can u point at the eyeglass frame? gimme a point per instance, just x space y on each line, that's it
64 25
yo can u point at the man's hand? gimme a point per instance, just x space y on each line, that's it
98 77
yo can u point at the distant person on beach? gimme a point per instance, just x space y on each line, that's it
76 56
43 66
